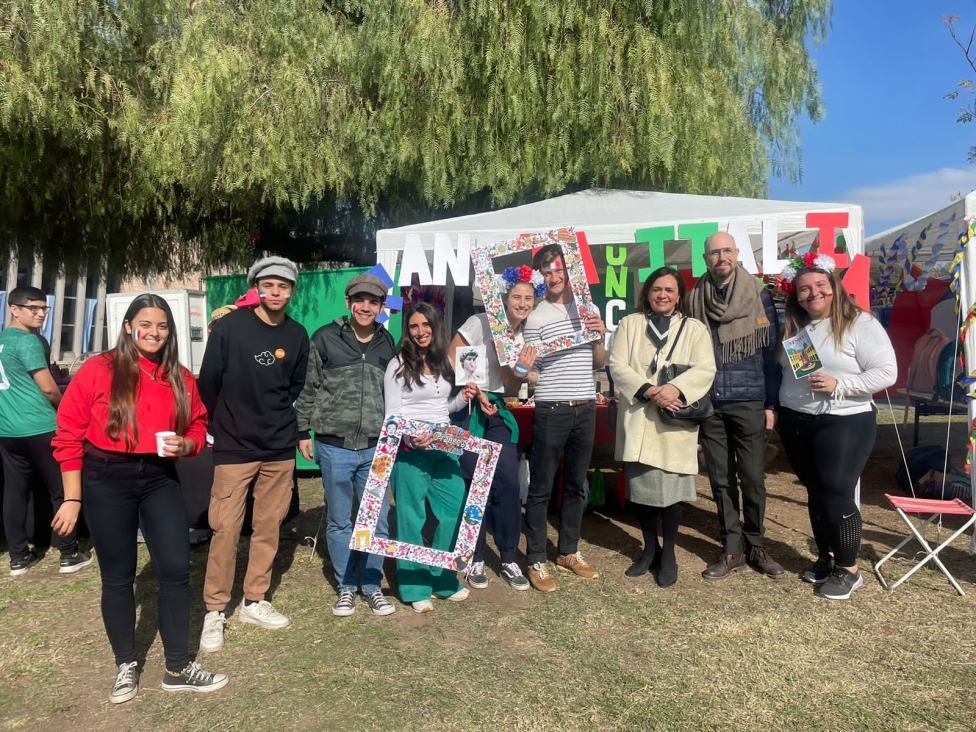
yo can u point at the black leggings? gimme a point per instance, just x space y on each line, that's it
121 497
828 452
504 510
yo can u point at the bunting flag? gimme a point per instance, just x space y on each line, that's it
886 262
919 283
910 262
969 380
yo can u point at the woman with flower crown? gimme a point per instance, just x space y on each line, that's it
827 417
520 286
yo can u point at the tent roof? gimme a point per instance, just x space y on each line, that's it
954 215
612 216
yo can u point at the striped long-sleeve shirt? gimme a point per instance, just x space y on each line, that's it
567 374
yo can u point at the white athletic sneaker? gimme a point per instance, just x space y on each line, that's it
212 636
459 596
422 606
262 613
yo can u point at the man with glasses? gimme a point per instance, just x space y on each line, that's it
29 398
745 332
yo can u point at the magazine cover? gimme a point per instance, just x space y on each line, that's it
803 356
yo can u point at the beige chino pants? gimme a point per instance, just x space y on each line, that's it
272 496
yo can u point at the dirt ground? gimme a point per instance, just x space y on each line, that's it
616 653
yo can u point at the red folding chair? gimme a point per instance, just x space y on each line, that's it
936 509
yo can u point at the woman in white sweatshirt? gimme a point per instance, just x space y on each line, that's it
419 384
827 419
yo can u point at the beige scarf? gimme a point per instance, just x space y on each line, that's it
743 326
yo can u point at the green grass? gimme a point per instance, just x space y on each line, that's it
745 654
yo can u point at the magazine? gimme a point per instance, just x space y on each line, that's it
803 356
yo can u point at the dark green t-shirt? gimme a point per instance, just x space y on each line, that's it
24 410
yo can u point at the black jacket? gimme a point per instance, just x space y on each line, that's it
342 401
754 378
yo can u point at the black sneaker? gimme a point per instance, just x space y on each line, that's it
194 678
477 577
512 574
345 605
379 604
126 683
20 565
71 563
841 584
819 572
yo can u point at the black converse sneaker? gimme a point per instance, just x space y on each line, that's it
20 565
379 604
71 563
126 683
477 578
818 573
194 678
841 584
345 605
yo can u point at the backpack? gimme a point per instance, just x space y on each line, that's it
923 372
924 474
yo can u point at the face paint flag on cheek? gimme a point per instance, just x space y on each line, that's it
136 334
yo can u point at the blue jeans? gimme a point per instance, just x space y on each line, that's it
344 474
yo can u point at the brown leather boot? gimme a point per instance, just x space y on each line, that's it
760 561
726 565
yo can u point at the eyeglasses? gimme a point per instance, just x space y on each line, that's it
727 252
35 309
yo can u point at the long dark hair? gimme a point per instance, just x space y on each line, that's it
843 310
121 424
643 306
412 358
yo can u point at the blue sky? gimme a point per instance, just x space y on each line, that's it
889 141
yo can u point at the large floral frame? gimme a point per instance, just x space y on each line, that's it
482 257
449 439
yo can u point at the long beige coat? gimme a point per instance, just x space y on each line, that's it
642 436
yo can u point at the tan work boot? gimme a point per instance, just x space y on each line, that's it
576 564
540 578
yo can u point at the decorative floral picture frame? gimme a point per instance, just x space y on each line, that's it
448 438
482 257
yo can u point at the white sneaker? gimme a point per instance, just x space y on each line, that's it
422 606
459 596
212 636
262 613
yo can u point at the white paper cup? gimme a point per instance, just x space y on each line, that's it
161 442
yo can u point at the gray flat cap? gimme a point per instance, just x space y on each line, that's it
366 283
272 267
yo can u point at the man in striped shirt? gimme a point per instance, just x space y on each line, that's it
565 421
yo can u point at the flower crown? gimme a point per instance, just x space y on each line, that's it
810 260
512 275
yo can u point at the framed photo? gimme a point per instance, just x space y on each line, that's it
471 365
447 438
483 256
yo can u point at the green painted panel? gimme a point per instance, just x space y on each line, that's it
319 299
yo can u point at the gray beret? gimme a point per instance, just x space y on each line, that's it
272 267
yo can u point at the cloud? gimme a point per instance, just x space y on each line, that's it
909 198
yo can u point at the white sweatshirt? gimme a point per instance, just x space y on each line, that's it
431 402
864 366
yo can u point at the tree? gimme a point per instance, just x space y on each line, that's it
967 87
147 129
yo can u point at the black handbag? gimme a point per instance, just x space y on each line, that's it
690 415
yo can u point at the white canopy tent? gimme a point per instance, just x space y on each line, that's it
613 217
946 224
